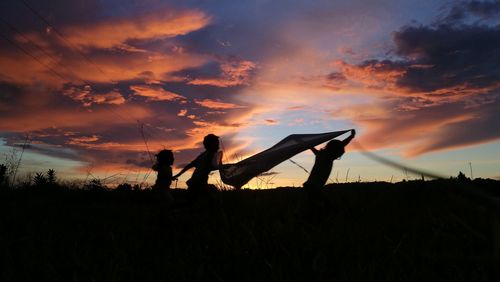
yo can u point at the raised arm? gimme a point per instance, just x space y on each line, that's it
314 150
348 139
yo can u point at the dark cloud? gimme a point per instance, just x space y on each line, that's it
442 58
450 56
445 56
444 80
336 77
139 163
465 9
480 128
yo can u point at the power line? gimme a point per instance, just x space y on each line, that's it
57 74
32 56
45 52
73 47
55 60
50 56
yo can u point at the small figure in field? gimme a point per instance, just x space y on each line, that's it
163 167
323 163
205 163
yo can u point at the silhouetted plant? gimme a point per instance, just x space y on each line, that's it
462 178
124 187
94 185
51 177
10 164
39 179
3 175
26 180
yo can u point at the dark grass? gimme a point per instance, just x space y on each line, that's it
416 231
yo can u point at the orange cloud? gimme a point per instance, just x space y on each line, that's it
217 104
116 32
155 93
116 67
83 140
59 63
412 131
383 74
43 118
114 97
87 98
17 67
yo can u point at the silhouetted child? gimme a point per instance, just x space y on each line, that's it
323 163
205 163
163 167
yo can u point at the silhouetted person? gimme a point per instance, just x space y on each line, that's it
323 163
163 167
205 163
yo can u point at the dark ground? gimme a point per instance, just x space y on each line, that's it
415 231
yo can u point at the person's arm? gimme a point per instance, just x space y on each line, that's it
348 139
186 168
314 150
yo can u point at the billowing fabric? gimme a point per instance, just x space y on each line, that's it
238 174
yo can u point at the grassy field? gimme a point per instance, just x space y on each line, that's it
413 231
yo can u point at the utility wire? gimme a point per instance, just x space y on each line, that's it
73 48
40 48
56 61
32 56
71 45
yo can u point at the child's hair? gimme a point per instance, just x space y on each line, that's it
211 142
165 157
335 147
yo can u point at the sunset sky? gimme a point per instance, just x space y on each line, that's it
418 80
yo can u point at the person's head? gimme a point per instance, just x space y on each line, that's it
165 157
335 148
211 142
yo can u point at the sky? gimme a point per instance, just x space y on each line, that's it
92 88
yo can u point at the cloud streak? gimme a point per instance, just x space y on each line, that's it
155 93
114 32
